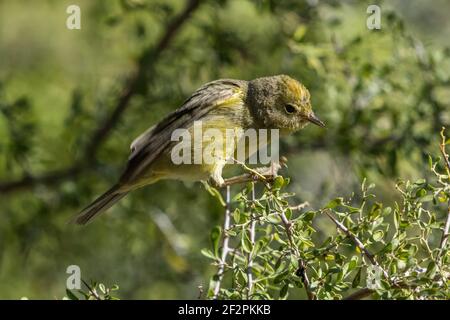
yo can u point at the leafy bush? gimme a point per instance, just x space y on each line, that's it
397 251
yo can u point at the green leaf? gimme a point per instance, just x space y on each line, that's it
308 216
299 32
288 213
401 264
378 235
396 219
353 263
431 269
284 291
334 203
215 239
214 192
208 253
387 211
430 161
258 246
357 278
246 243
427 198
275 219
71 295
280 277
420 181
278 183
329 257
277 238
237 215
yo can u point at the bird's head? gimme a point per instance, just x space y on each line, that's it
281 102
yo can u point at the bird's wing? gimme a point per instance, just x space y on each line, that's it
148 146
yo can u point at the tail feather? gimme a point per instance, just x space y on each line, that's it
101 204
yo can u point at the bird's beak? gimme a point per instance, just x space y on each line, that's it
313 119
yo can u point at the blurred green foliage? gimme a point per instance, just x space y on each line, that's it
383 94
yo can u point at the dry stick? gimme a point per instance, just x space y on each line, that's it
252 240
301 264
445 231
146 62
225 245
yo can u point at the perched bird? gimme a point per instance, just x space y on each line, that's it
270 102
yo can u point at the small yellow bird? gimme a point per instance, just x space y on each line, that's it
276 102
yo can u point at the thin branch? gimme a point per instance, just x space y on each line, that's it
259 174
365 292
360 294
225 245
355 239
301 272
358 242
249 256
445 231
244 178
92 291
443 152
300 206
146 64
200 292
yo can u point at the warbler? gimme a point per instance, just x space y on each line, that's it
279 102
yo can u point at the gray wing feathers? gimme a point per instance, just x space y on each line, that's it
148 146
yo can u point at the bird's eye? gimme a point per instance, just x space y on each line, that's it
290 108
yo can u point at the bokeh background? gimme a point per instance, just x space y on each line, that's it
384 95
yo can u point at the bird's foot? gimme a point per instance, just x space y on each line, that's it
216 181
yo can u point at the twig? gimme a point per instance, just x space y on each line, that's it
358 242
365 292
301 272
92 291
249 257
200 292
247 168
445 231
146 63
225 245
300 206
443 152
360 294
263 173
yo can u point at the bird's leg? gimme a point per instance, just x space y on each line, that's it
215 179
